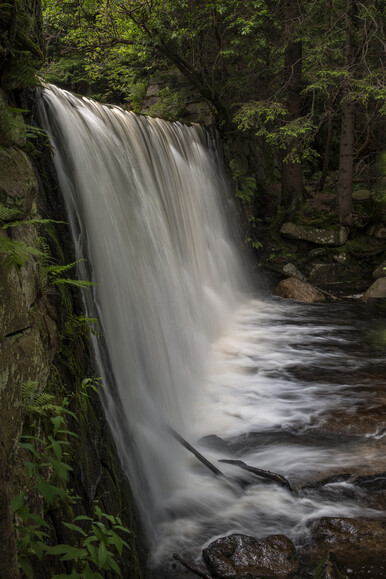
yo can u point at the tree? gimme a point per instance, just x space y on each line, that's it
281 70
292 177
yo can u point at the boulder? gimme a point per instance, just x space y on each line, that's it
361 195
298 290
241 556
380 271
315 235
329 273
329 568
358 545
292 271
377 289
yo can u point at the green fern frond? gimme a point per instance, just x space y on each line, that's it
53 271
6 213
30 222
82 283
41 403
17 252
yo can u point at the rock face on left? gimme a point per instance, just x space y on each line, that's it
34 324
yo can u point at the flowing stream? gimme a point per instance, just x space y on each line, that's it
272 383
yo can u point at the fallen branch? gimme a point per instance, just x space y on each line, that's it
330 295
259 472
191 567
197 454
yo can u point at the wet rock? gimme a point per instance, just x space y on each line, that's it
298 290
18 184
330 273
377 289
361 195
241 556
214 442
380 271
329 568
315 235
358 545
292 271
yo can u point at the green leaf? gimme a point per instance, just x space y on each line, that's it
49 491
41 522
61 469
74 553
93 553
75 528
113 565
17 502
26 566
102 554
30 447
83 518
117 542
121 528
57 421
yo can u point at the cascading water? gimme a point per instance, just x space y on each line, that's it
146 204
279 383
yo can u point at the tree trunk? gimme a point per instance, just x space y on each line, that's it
8 549
346 152
327 153
346 156
292 175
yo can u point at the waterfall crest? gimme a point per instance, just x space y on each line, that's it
147 206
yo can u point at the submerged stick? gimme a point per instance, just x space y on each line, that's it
281 480
197 454
191 567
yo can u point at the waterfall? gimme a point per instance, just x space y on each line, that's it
147 202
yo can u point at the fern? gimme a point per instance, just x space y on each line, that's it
30 222
82 283
6 213
42 403
54 274
17 252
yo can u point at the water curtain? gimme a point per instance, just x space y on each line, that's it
147 202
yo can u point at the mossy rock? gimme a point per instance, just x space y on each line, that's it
12 127
18 184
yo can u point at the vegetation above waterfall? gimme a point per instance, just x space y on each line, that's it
305 78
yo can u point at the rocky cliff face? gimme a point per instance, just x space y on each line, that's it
41 344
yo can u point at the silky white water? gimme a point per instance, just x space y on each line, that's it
148 202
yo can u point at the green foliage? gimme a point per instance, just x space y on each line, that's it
98 539
100 543
254 244
136 96
23 68
54 275
16 253
91 384
245 185
170 106
270 121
